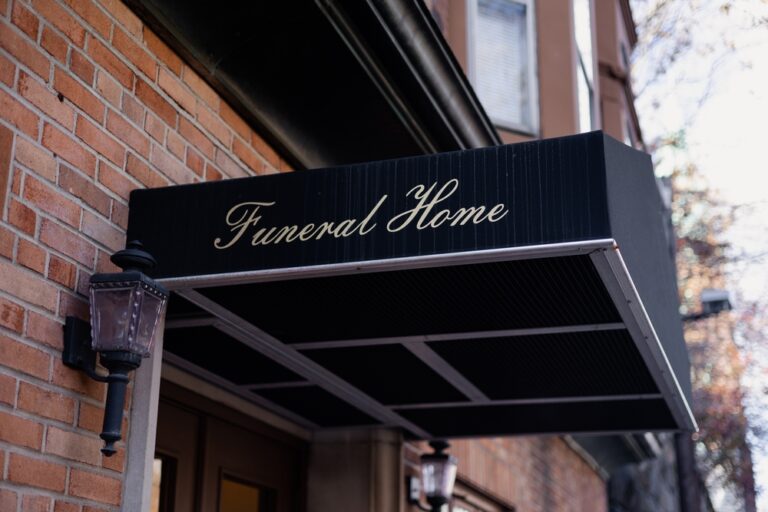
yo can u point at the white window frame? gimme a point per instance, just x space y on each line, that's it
581 71
594 107
533 75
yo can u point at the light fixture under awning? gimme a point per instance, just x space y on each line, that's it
518 289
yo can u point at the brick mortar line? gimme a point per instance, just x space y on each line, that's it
48 422
20 99
49 386
54 64
233 132
44 117
29 140
59 189
17 75
114 22
78 200
43 455
158 89
17 388
123 170
156 86
81 235
147 160
21 375
141 129
44 23
28 305
12 26
59 287
55 496
4 471
185 68
54 352
35 240
34 307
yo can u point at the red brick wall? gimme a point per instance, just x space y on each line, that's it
92 105
532 474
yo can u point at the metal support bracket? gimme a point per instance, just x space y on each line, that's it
77 352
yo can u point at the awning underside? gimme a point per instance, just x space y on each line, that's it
508 342
472 293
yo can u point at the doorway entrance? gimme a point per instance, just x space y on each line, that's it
212 458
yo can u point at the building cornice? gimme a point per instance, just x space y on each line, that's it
421 44
629 22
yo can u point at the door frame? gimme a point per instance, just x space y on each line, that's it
145 395
208 410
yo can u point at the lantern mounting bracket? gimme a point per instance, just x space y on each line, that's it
413 486
78 353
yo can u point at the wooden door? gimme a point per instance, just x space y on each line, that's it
214 459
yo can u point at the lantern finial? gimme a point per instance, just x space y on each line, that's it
134 257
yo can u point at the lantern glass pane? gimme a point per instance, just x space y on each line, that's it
111 316
151 311
438 476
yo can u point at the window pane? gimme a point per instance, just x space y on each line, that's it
237 496
163 484
586 98
157 476
501 64
582 20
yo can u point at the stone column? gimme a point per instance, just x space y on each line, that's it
355 469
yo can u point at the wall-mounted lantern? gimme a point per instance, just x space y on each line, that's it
713 302
438 475
126 309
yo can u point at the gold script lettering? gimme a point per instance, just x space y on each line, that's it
424 214
249 217
429 198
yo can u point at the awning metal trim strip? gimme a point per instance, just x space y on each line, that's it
448 372
185 323
280 385
615 275
390 264
455 336
535 401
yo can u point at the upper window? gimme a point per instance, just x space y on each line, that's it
585 80
502 62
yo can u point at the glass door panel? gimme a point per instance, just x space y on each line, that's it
239 496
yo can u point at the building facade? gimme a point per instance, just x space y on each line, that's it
101 97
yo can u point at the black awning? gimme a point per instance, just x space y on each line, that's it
517 289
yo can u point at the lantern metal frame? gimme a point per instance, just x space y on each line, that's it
80 347
415 486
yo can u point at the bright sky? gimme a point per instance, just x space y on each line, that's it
727 138
730 141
